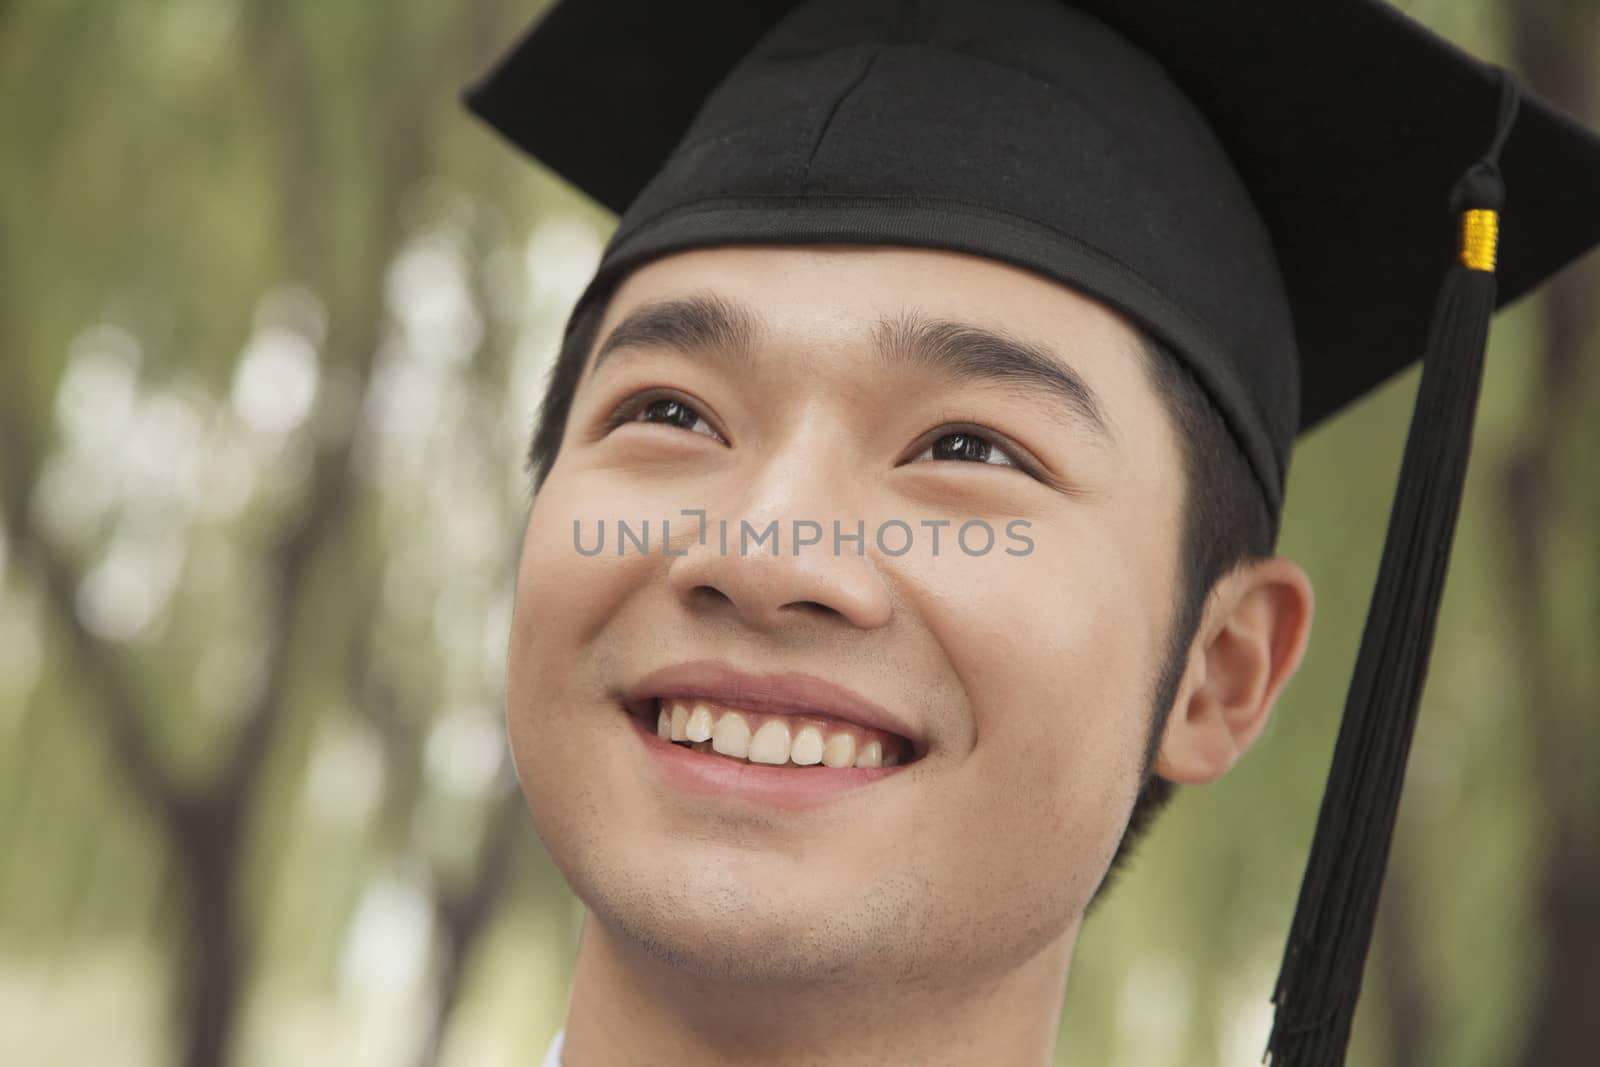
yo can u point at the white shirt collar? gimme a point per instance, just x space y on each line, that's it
552 1058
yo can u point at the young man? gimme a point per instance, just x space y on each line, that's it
907 485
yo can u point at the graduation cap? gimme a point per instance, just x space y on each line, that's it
1277 190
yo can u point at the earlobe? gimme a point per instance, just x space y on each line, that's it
1249 643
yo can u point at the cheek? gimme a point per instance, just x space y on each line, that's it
1058 644
555 664
571 578
553 578
1054 652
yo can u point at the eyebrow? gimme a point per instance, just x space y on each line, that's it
707 324
691 325
972 353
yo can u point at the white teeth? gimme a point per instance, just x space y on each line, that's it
698 727
777 742
771 743
731 736
840 751
807 746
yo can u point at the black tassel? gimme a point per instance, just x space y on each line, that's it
1320 979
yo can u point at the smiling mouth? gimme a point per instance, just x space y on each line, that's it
771 739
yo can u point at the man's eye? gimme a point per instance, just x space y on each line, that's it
967 447
667 411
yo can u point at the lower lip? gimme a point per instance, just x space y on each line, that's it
788 788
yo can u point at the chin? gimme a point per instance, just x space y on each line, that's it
728 931
721 914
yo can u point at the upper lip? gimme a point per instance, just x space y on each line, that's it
779 693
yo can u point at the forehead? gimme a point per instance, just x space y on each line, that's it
820 289
822 301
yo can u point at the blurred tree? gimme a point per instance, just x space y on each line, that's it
1554 510
337 116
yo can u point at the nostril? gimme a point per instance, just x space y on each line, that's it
709 594
809 605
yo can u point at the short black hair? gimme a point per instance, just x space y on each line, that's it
1226 521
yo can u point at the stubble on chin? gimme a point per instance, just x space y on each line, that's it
902 930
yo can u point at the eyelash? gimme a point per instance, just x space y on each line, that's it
636 404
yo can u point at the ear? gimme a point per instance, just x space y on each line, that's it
1251 637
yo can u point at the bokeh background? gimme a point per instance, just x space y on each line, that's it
274 320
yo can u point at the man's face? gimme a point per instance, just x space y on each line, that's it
1017 681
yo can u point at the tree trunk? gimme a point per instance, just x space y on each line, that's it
1554 49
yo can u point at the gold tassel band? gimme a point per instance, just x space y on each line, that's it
1480 231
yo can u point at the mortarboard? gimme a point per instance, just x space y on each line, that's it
1277 190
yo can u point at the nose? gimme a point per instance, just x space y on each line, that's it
776 562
